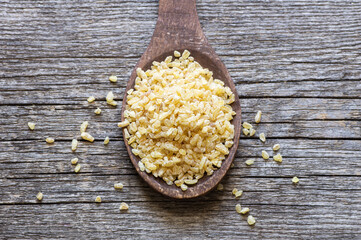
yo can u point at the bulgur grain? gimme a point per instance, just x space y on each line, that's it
98 111
186 54
91 99
245 131
234 191
249 162
87 136
39 196
106 140
251 220
109 97
247 125
220 187
238 208
177 54
183 187
74 144
113 78
74 161
238 193
83 126
98 199
262 137
77 168
124 206
258 116
49 140
295 180
277 158
118 186
251 132
265 155
245 210
276 147
123 124
190 181
31 125
113 103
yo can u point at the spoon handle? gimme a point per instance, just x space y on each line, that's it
178 25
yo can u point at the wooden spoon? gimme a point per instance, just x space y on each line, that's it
178 28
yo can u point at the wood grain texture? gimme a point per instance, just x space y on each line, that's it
297 61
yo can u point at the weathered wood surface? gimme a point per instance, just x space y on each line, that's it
297 61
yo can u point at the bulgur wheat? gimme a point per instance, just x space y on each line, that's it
178 118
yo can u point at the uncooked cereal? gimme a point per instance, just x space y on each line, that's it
31 125
178 118
74 144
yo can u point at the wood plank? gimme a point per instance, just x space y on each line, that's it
287 211
282 118
28 159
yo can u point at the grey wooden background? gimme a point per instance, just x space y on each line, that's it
298 61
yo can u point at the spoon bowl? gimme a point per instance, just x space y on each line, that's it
178 28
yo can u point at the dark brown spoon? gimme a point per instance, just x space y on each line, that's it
178 28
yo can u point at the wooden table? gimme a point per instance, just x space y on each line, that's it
297 61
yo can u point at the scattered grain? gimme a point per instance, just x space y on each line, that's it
98 111
113 78
247 125
238 193
245 131
31 125
106 140
39 196
252 132
74 144
91 99
87 136
262 137
124 206
118 186
265 155
50 140
113 103
245 210
295 180
98 199
234 191
74 161
83 126
258 116
238 208
250 220
220 187
249 162
110 99
77 168
276 147
277 158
